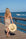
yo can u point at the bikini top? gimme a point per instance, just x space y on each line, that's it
8 16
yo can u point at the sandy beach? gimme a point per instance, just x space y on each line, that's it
18 34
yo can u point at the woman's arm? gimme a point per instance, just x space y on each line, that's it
11 18
4 17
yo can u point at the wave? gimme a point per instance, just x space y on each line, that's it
21 14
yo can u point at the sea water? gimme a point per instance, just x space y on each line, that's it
19 15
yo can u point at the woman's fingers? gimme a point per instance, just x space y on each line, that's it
12 23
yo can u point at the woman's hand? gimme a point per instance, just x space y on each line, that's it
12 23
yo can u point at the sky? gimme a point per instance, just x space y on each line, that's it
13 5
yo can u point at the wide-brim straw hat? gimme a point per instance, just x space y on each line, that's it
12 27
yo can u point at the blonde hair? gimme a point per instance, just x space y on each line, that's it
7 12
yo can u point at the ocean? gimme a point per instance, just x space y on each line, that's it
19 15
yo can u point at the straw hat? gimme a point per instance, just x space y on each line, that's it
12 27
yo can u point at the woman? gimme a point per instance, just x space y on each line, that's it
7 19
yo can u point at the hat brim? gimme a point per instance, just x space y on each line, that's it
12 27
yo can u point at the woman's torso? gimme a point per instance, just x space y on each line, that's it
8 17
7 20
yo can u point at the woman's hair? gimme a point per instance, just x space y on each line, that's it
7 12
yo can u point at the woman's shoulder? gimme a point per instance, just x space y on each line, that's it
10 14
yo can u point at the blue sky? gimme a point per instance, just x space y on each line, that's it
13 5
